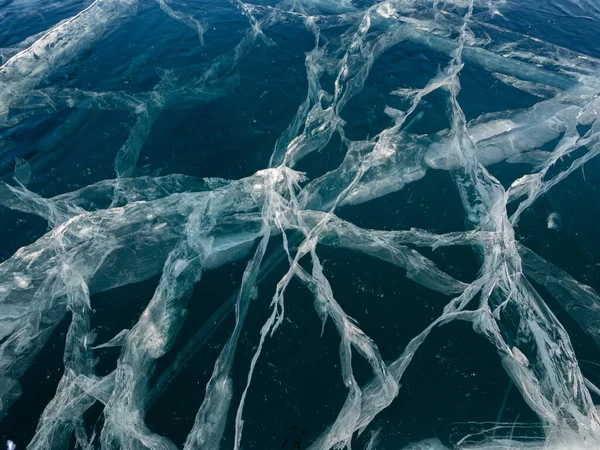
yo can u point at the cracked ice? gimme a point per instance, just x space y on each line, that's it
177 228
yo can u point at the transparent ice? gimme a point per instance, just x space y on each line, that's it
131 228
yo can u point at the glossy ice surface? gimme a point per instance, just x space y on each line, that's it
302 224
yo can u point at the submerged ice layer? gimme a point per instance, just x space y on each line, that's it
129 229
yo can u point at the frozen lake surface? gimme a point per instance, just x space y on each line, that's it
305 224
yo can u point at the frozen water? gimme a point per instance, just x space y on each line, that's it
274 212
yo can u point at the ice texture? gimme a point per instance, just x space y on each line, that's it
125 230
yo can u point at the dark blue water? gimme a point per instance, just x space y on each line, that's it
456 384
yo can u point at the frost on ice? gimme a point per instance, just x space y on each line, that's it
131 228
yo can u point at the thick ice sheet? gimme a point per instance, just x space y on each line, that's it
128 229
